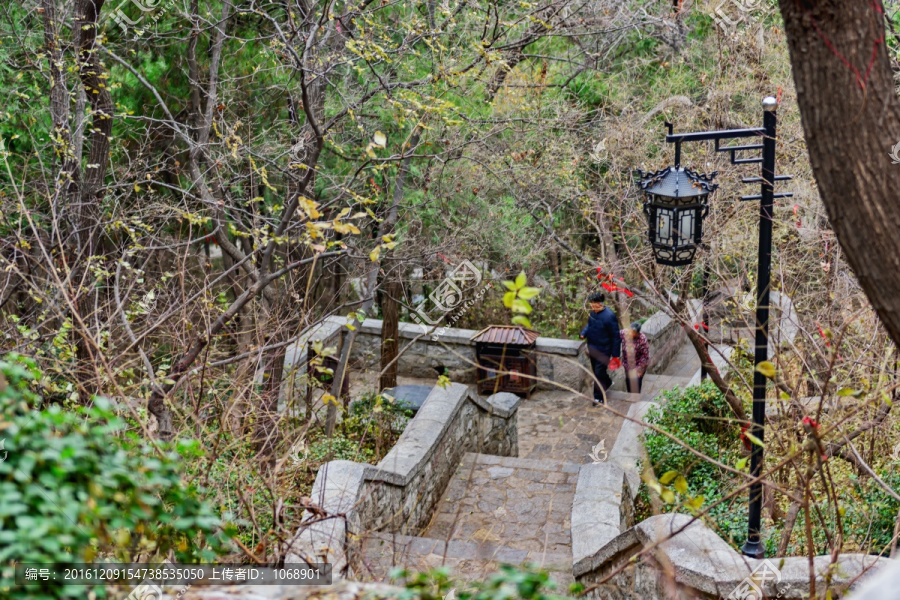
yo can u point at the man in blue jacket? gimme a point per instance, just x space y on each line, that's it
604 343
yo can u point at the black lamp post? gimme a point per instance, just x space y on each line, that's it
675 200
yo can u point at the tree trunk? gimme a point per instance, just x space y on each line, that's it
851 121
390 331
86 222
386 227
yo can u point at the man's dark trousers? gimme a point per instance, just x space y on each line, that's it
599 362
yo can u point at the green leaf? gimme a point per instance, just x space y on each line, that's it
510 286
667 477
521 306
849 392
767 369
753 439
527 293
522 320
681 485
741 464
508 299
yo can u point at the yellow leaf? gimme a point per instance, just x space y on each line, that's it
508 299
753 438
310 208
527 293
849 392
767 369
329 399
681 485
373 255
379 139
667 477
521 280
667 495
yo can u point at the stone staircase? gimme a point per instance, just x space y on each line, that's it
516 510
509 510
496 510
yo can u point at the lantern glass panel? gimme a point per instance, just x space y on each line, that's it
686 220
664 226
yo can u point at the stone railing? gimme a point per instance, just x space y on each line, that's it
682 557
561 364
400 493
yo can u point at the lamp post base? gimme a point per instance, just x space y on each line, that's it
754 549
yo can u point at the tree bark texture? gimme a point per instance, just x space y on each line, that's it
390 331
851 120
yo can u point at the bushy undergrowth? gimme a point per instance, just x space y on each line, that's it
528 582
76 488
699 417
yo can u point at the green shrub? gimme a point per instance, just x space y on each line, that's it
76 487
377 415
526 582
870 513
337 448
698 417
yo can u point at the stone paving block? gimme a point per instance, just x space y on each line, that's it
421 545
500 472
460 549
485 459
531 475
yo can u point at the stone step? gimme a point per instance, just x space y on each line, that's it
514 462
400 545
511 502
467 561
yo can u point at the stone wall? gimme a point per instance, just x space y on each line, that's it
400 493
561 364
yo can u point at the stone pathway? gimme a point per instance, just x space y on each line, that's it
515 510
679 372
